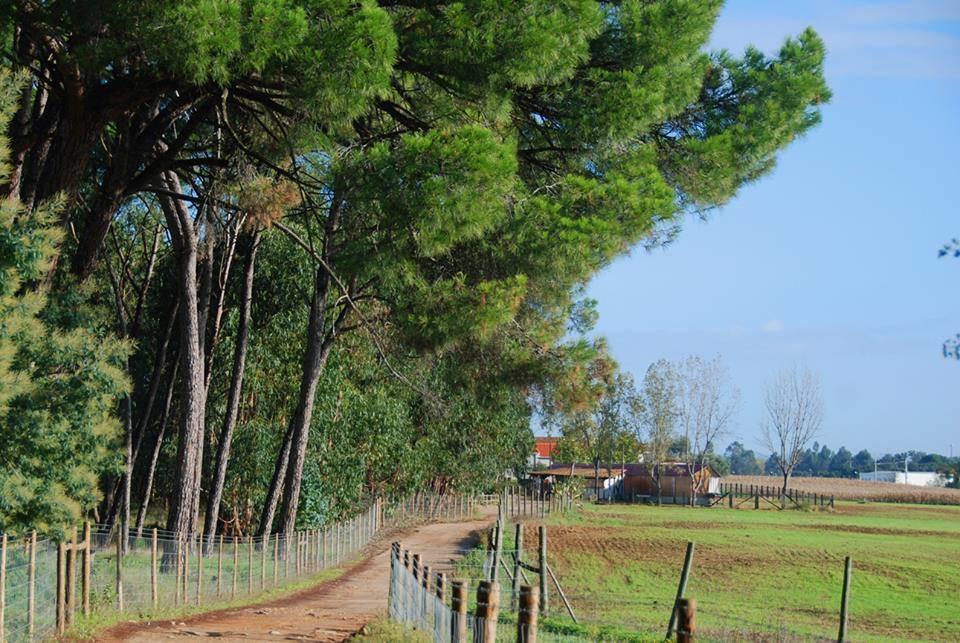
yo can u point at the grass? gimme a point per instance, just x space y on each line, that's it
760 574
847 489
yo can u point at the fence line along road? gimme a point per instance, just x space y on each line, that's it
98 569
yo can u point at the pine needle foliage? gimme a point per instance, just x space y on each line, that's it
59 383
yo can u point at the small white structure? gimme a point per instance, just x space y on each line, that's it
915 478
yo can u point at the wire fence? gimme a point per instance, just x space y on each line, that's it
45 584
484 594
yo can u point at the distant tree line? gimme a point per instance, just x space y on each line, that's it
821 461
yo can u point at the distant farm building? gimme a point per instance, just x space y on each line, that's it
607 480
543 449
676 481
915 478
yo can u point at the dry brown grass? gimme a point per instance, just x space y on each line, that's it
845 489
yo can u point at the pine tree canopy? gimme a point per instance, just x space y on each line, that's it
386 211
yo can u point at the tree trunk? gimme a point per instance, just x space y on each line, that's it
318 348
786 480
233 400
596 478
155 456
276 485
185 505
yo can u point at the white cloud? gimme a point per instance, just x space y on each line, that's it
772 326
881 39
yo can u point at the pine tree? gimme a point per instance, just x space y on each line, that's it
59 381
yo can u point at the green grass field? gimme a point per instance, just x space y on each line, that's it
763 574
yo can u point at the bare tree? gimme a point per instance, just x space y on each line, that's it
794 416
707 403
659 415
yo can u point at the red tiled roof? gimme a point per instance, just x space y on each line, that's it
545 446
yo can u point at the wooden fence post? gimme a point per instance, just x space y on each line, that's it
220 566
687 623
544 601
458 618
487 612
415 568
186 569
425 595
85 569
179 588
681 588
71 575
3 586
844 598
120 566
527 614
517 557
61 588
32 586
249 564
154 594
236 564
200 547
497 550
264 545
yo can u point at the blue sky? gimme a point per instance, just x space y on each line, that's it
830 261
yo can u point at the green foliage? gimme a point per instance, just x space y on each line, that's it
59 379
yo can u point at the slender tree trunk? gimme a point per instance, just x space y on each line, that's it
155 456
276 485
315 357
185 505
233 400
596 477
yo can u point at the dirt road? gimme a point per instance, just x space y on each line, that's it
331 611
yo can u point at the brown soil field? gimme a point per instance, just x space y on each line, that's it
846 489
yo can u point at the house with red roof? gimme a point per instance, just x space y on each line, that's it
543 449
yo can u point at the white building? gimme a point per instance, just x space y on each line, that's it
916 478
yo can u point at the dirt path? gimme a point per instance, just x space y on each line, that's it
331 611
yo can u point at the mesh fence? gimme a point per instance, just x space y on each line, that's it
139 571
421 597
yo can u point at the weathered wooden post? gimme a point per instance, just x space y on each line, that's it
61 588
415 563
123 528
3 586
236 566
844 598
71 575
32 586
186 569
517 557
276 558
681 588
438 613
544 601
425 594
497 551
219 566
179 583
687 623
249 564
527 614
85 569
200 549
154 594
487 612
458 618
